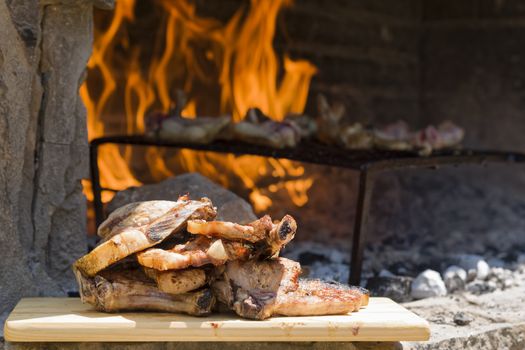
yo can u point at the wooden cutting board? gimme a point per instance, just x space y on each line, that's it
68 320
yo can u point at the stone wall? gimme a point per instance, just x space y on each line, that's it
44 48
367 52
472 58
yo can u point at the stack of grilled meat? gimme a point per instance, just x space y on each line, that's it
171 256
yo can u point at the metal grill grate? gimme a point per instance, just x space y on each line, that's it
367 162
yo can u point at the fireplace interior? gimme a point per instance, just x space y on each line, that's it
422 62
375 61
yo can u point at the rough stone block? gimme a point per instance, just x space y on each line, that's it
230 207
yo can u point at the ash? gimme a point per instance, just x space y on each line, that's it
328 263
404 275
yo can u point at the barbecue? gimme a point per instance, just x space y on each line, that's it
262 171
330 127
142 264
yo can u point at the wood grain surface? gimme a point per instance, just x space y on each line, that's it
68 320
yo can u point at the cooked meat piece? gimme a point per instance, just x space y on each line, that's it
398 136
135 214
329 120
177 281
446 135
260 289
222 229
305 125
253 232
251 288
195 253
451 135
269 133
395 136
200 130
281 234
205 250
135 239
273 237
314 297
355 136
259 129
222 290
130 290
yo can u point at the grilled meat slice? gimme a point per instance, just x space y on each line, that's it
201 130
259 129
195 253
135 215
131 290
224 229
272 237
205 250
251 288
178 281
134 239
315 297
260 289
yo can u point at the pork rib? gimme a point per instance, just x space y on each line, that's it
205 250
222 229
260 289
134 239
195 253
274 237
131 290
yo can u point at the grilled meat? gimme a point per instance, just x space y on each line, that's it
134 215
227 230
195 253
259 129
315 297
201 130
131 290
260 289
281 234
124 273
270 236
204 250
178 281
135 238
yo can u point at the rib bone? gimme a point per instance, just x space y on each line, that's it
195 253
131 290
273 237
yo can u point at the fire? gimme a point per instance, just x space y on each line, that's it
223 69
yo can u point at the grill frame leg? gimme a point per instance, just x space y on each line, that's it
95 184
366 187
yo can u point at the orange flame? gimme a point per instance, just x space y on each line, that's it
223 68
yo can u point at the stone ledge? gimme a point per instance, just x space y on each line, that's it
501 337
498 321
201 346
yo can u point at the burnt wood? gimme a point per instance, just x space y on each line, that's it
367 162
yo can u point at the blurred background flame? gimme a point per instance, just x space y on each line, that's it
224 68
